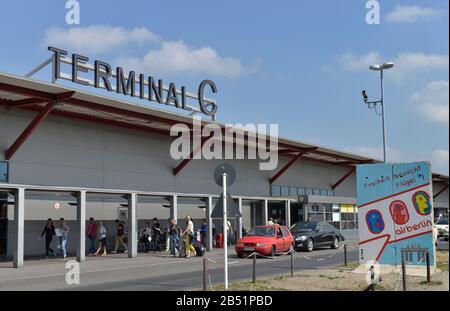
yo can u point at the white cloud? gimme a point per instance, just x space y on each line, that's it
177 57
440 160
98 38
350 61
432 102
410 14
405 63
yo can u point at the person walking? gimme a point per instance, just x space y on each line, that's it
91 236
119 239
102 239
167 236
203 232
63 236
144 237
156 230
49 231
189 235
174 237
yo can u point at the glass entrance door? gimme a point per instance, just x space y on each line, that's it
3 224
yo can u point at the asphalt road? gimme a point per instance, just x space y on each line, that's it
239 270
158 272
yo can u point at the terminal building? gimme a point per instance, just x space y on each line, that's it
66 152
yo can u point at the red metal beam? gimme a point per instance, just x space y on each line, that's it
26 102
343 178
285 168
29 130
440 192
185 162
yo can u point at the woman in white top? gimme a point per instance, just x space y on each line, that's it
102 239
189 233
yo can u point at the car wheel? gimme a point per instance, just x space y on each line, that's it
335 244
310 245
272 251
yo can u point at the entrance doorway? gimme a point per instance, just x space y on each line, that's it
277 211
297 213
3 224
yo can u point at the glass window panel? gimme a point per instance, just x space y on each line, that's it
316 191
309 191
301 191
3 172
276 191
330 193
293 191
284 190
323 192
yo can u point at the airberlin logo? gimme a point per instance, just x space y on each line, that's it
423 224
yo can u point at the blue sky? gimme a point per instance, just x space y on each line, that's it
301 64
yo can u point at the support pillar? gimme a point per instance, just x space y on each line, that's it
239 220
265 212
81 225
209 233
132 225
174 207
288 213
19 222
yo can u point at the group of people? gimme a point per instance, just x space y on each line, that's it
272 222
96 231
176 239
61 232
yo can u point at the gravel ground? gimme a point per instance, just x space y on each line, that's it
343 279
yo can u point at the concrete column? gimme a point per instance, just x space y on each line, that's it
239 220
209 233
265 212
19 221
81 225
288 213
174 207
132 225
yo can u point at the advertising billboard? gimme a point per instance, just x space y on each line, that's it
395 213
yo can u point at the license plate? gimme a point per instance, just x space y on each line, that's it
249 249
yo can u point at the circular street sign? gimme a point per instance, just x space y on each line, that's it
227 169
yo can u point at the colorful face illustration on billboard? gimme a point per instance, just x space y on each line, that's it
421 202
399 212
374 221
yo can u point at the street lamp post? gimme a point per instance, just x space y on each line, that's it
373 104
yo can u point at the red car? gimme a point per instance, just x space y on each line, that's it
265 240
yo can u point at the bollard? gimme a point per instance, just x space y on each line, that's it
205 274
254 268
292 262
372 278
427 258
404 274
345 255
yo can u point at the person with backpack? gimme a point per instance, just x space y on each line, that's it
174 237
91 236
119 241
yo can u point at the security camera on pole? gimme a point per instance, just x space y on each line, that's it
225 176
373 104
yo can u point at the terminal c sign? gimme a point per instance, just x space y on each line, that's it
115 81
